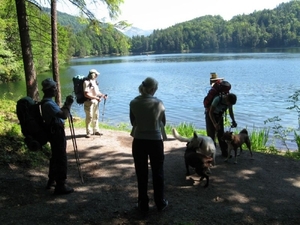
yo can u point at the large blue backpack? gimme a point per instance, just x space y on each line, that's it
78 88
32 124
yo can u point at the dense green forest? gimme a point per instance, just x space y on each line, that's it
11 63
88 41
77 37
278 28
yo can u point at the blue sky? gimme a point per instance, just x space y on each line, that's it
160 14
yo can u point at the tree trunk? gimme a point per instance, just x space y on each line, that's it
55 65
30 74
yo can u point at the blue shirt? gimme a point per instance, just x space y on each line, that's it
50 110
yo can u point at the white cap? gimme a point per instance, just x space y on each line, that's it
94 71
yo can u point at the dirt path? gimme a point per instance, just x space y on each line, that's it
265 190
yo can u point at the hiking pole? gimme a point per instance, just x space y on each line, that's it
103 107
70 118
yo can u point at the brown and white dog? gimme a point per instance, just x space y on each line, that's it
203 144
235 141
200 162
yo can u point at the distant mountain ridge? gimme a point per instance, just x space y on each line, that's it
66 19
134 31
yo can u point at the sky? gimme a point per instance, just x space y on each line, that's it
160 14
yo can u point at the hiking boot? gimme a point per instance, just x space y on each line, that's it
143 207
50 183
163 206
88 136
63 190
98 133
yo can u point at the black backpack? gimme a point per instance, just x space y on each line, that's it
78 88
32 124
218 89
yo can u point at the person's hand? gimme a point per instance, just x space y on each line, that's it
69 99
105 96
233 124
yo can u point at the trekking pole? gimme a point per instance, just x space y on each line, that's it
70 118
103 108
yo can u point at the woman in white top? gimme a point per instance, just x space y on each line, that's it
91 105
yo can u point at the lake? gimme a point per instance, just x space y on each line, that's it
262 81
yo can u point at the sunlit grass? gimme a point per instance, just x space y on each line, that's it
259 138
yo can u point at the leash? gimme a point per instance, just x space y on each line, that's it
70 119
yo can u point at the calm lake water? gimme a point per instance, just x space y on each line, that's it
262 82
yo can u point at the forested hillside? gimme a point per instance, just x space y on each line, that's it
77 37
88 40
279 27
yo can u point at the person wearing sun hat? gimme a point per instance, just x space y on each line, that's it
54 117
91 105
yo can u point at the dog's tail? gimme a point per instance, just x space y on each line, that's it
244 131
178 137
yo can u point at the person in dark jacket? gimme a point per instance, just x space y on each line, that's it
147 116
54 117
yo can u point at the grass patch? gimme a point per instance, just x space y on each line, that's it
14 151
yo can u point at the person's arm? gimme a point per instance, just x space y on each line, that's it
88 94
231 114
132 118
163 118
212 117
64 113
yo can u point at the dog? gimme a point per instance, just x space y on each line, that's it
200 162
235 141
203 144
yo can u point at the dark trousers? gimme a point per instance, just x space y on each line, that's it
58 161
141 149
211 131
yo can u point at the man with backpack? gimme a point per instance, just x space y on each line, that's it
214 118
91 104
54 117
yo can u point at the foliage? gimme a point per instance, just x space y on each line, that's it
279 131
88 43
10 65
184 129
279 27
294 99
297 140
259 138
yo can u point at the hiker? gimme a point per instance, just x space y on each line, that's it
54 117
92 102
214 118
147 113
